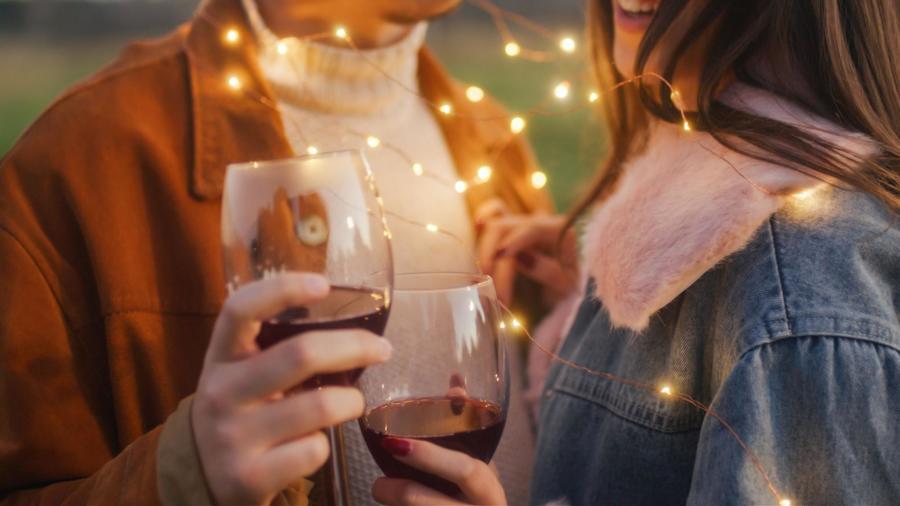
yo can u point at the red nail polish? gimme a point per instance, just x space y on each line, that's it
395 446
525 259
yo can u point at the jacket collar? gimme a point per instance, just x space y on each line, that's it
686 203
236 126
229 126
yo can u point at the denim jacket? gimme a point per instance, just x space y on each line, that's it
793 341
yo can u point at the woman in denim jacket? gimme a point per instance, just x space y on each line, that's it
748 258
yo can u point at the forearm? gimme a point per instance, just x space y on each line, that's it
129 478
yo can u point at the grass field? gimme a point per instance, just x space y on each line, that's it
567 145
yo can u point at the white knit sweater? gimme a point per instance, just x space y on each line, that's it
334 98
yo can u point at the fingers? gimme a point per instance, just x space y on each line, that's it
408 493
505 280
509 234
280 467
476 480
494 232
303 413
492 208
545 270
297 359
238 322
538 233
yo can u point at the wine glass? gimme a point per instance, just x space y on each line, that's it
319 213
447 381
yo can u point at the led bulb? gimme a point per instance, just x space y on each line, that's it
373 141
341 33
446 109
512 49
232 36
234 82
282 48
686 126
593 97
666 390
568 45
460 187
784 502
474 94
312 150
517 124
561 91
431 227
484 173
805 194
418 169
538 179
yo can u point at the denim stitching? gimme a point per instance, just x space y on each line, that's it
778 272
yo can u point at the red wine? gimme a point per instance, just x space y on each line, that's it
344 308
466 425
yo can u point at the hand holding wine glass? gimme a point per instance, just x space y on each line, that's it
314 221
436 412
252 440
476 480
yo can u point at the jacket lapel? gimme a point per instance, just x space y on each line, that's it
229 125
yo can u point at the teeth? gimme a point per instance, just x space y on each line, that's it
639 6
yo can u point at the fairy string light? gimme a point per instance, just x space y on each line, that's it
664 390
517 124
562 91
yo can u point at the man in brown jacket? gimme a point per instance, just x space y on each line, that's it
113 291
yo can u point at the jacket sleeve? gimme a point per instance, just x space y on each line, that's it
57 442
819 413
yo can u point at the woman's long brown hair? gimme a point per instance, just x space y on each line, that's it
838 54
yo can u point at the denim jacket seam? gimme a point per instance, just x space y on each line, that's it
781 339
627 407
635 412
779 274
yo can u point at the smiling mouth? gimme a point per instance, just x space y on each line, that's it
634 16
638 8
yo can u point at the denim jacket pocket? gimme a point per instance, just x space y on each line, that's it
645 406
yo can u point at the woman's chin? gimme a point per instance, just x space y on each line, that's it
624 55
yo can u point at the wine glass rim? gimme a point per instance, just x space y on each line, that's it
256 164
475 281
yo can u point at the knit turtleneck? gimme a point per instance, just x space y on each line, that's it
334 98
339 80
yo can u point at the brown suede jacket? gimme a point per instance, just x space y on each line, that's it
110 258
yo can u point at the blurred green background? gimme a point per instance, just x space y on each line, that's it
38 60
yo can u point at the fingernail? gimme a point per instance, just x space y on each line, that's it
398 447
500 253
479 227
457 380
525 259
319 284
385 348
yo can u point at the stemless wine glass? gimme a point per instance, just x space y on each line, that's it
447 381
318 213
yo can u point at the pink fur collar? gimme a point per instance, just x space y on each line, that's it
679 209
